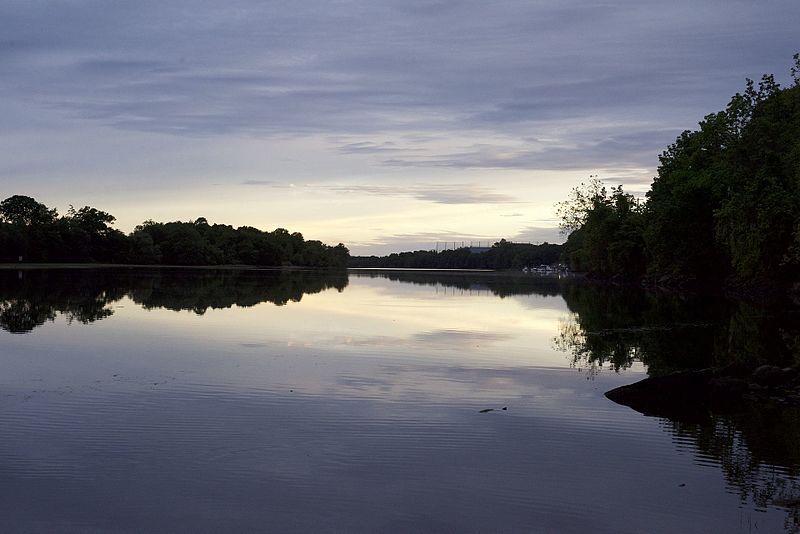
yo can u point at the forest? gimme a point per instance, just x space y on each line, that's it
724 207
501 255
32 232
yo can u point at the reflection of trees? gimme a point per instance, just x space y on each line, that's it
30 298
616 326
502 285
756 446
758 452
200 290
612 326
19 316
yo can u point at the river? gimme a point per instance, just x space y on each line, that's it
157 400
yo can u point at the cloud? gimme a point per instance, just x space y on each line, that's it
539 234
442 238
369 147
609 147
271 68
445 238
438 193
163 98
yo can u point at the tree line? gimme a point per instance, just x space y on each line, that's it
501 255
32 232
724 206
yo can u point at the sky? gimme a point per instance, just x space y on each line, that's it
386 125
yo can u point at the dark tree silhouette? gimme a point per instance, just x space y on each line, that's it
31 230
724 206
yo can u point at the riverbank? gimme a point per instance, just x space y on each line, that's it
492 273
40 266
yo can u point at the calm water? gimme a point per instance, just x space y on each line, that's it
210 401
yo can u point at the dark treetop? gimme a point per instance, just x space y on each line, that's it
35 233
725 205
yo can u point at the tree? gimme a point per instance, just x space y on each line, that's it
606 230
725 203
759 216
91 220
583 199
35 232
25 211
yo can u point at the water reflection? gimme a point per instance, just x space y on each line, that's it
756 445
362 409
501 285
758 452
615 327
29 299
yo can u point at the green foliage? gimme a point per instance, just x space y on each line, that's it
583 200
502 255
715 206
607 230
91 220
759 217
724 204
25 211
30 230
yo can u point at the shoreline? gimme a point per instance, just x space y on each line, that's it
87 266
244 267
482 273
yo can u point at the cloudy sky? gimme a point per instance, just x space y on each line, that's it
384 124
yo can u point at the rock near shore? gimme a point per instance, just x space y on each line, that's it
689 395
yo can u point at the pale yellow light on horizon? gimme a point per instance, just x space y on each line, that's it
304 184
356 217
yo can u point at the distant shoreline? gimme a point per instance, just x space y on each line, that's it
238 267
482 273
423 269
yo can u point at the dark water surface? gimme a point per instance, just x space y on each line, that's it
211 401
